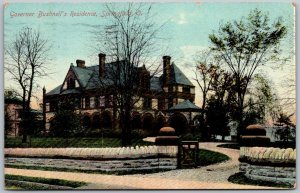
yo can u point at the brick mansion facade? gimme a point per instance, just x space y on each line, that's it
171 90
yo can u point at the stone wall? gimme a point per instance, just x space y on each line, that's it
269 164
95 159
95 165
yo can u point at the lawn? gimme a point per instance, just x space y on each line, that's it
230 145
240 178
34 183
206 157
46 142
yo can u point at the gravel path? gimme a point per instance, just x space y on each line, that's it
213 173
100 181
210 177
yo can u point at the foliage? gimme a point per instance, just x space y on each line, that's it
245 45
262 103
8 127
66 121
286 130
207 69
220 106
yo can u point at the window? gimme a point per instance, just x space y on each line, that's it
71 83
102 101
166 89
97 104
92 102
53 106
180 100
47 107
110 100
170 103
147 103
192 90
174 102
161 104
87 102
154 104
83 103
179 88
186 89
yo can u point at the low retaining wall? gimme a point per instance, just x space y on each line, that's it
269 164
95 159
95 165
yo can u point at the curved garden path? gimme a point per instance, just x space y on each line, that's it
210 177
217 173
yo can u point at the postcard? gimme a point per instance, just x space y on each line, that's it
138 95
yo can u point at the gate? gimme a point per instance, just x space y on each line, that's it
188 154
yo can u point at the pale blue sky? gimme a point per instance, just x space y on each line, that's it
187 28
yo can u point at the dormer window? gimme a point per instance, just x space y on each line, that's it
71 83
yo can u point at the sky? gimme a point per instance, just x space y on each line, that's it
186 26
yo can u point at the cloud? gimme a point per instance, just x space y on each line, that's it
182 19
190 51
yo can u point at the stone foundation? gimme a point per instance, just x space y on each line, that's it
95 159
96 165
269 164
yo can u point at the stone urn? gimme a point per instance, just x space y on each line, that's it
167 137
255 135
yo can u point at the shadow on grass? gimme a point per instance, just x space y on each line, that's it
240 178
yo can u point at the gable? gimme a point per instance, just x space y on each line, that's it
71 80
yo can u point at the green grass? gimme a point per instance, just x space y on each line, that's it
206 157
230 145
240 178
47 181
12 187
47 142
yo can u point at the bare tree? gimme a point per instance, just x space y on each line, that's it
206 69
26 59
244 46
130 41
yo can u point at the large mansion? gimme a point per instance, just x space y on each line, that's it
171 90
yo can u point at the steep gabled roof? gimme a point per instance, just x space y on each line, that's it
88 78
83 74
179 76
54 91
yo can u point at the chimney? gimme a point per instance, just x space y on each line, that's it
80 63
101 64
167 69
